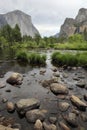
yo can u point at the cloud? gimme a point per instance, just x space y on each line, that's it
47 15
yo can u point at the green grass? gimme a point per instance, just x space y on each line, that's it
37 59
32 58
22 56
78 59
71 46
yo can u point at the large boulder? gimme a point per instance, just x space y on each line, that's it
15 79
58 89
24 105
78 103
35 114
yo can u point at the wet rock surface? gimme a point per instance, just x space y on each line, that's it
38 125
10 107
49 126
57 88
63 126
15 79
71 119
24 105
64 106
35 114
78 103
5 128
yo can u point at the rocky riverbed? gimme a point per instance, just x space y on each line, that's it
48 98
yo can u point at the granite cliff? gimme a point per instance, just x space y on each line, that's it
77 25
23 20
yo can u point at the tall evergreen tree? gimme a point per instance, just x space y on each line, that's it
85 34
17 34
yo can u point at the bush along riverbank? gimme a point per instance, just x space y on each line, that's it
32 58
68 59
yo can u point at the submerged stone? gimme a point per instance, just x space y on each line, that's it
64 106
35 114
24 105
71 119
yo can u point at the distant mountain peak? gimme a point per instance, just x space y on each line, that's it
71 25
22 19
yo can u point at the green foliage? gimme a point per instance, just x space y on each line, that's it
16 34
42 44
37 38
26 38
69 59
3 42
82 59
6 32
76 38
75 42
37 59
22 56
85 34
10 35
32 58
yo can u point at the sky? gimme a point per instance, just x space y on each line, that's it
47 15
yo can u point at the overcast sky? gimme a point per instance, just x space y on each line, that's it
47 15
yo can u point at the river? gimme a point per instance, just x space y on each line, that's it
32 88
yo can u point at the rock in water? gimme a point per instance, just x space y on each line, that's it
5 128
23 105
49 126
71 119
64 106
52 120
64 126
84 117
81 84
10 107
38 125
42 71
35 114
2 85
85 97
78 103
58 89
15 78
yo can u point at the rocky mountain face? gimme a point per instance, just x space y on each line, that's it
77 25
23 20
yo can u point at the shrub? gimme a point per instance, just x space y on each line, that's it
32 58
69 59
37 59
22 56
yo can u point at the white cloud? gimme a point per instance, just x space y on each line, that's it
46 13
